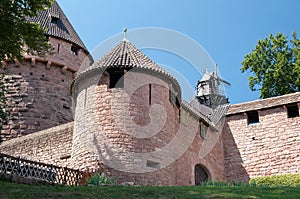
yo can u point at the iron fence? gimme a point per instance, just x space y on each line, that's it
40 171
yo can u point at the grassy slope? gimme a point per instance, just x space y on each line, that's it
14 190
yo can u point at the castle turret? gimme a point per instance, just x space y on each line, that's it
38 88
127 108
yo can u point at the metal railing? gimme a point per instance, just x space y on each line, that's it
40 171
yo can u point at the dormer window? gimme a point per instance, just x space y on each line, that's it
54 20
116 76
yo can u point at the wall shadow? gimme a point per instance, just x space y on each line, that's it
233 162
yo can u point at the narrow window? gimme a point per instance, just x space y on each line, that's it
172 97
65 157
252 117
116 79
292 110
150 88
85 98
58 48
203 130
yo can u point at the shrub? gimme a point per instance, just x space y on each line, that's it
286 180
101 180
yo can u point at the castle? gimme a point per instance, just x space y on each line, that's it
130 120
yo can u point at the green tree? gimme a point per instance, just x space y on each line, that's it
4 108
275 66
17 35
16 32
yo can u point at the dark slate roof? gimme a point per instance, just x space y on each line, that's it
126 55
62 29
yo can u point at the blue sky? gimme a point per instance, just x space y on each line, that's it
226 29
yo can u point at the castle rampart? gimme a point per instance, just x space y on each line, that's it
262 137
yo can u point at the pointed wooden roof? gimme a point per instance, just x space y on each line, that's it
56 24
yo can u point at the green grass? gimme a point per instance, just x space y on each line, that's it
20 191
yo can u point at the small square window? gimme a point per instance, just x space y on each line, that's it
184 116
292 110
74 49
253 117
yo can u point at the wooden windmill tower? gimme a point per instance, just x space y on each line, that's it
209 92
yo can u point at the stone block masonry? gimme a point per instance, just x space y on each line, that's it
38 98
135 133
51 146
269 147
38 89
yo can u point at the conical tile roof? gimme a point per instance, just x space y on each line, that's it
126 55
56 24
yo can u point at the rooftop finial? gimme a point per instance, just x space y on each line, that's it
125 30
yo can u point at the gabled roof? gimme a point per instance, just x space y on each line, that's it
126 55
61 27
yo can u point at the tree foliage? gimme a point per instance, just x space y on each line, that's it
275 65
17 35
4 108
16 32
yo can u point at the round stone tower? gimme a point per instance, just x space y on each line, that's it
38 88
127 113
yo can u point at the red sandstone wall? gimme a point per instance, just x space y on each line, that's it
51 146
38 97
213 161
267 148
107 124
38 94
110 125
62 54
